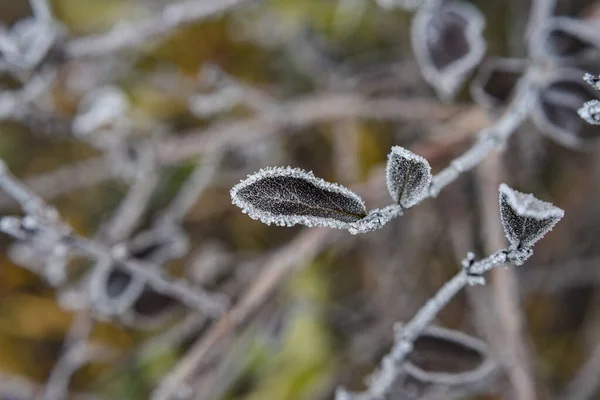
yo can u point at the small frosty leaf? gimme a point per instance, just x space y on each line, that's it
526 219
590 112
290 196
408 177
556 113
566 40
445 356
448 43
592 80
495 81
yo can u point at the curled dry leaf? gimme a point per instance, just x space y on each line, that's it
495 81
556 112
526 219
449 357
290 196
408 177
566 40
448 43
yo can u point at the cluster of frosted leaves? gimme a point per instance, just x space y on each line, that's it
288 196
446 356
565 40
526 219
448 44
408 177
590 111
496 80
557 114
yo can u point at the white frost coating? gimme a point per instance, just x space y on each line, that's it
526 219
448 79
408 177
592 80
590 112
376 219
268 217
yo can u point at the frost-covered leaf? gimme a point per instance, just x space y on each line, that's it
495 80
445 356
592 80
448 43
566 40
526 219
290 196
408 177
556 112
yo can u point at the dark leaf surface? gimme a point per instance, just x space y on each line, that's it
289 196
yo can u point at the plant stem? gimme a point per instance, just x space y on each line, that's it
382 380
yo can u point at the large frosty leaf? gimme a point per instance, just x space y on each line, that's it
556 112
495 81
445 356
566 40
526 219
290 196
408 177
448 43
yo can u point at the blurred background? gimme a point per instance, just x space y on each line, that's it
169 121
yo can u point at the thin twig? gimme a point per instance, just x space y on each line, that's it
172 17
46 219
382 381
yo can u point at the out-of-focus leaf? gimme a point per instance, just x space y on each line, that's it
448 43
556 112
408 177
526 219
113 291
445 356
566 40
495 81
290 196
